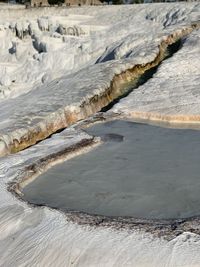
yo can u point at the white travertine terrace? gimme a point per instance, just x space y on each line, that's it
47 70
124 38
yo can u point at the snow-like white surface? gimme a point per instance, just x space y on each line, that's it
116 38
37 46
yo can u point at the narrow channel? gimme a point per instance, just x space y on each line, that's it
148 74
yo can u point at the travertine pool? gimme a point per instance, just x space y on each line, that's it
140 170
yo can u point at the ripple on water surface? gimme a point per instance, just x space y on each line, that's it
140 170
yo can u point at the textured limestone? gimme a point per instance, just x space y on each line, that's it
117 38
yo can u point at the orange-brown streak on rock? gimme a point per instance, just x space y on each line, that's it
170 119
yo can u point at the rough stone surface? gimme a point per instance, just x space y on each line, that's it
52 60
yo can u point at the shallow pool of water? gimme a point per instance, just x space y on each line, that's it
141 171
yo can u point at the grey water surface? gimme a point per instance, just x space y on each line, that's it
140 170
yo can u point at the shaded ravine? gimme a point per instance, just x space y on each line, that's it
147 75
120 85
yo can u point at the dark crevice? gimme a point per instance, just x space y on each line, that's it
122 90
147 75
48 137
170 51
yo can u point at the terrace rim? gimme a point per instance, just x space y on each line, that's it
166 228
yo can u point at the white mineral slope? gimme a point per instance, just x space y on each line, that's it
117 38
173 94
37 46
44 237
